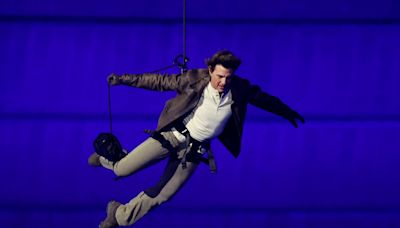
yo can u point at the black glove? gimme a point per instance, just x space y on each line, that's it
113 79
293 116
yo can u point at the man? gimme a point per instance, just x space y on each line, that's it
210 103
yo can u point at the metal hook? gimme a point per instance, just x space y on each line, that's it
181 62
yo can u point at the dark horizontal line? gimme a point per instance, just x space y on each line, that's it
75 117
202 209
96 117
219 21
284 210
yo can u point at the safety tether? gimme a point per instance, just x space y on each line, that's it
180 61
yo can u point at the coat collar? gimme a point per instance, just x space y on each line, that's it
201 81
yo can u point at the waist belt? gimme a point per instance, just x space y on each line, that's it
195 149
181 128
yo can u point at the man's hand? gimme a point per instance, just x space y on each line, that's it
293 116
113 79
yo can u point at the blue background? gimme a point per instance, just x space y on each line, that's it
336 62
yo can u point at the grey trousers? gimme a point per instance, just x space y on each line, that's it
148 153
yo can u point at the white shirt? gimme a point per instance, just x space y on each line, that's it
209 117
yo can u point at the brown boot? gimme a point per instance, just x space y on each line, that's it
94 160
110 220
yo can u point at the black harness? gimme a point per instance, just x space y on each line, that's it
193 153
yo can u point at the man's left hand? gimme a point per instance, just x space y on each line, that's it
293 116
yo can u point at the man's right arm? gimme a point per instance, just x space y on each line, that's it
157 82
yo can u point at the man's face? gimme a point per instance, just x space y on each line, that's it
220 78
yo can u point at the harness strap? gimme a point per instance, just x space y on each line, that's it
160 138
191 149
191 152
188 146
211 161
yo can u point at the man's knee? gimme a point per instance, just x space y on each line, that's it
121 172
162 198
158 196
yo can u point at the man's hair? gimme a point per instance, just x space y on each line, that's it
226 58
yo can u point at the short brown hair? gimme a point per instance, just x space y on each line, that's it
226 58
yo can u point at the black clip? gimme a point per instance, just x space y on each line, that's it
181 62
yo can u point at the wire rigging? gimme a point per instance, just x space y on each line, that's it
180 61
